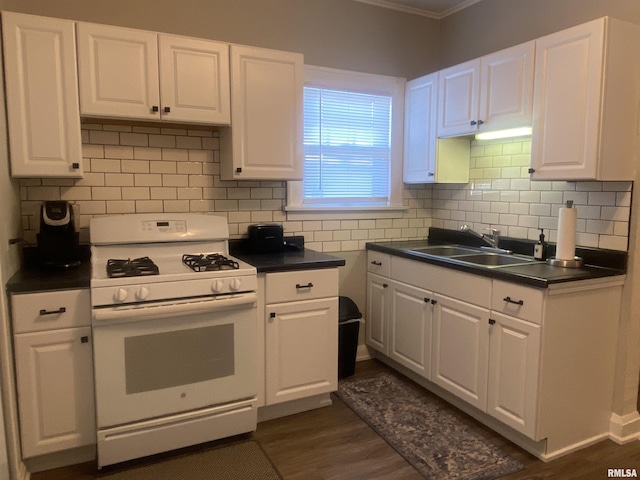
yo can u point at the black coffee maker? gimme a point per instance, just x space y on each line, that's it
58 239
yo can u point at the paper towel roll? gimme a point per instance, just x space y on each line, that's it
566 247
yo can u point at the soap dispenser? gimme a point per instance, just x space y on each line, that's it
540 248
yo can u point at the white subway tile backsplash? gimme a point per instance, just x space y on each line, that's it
146 169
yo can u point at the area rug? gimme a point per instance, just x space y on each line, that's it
431 439
240 461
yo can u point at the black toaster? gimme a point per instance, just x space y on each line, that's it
266 238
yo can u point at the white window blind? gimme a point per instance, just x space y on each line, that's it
347 147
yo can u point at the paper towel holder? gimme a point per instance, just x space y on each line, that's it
577 262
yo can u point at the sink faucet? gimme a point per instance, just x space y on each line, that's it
492 240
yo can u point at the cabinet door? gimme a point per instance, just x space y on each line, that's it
265 141
458 93
514 366
54 373
301 349
42 96
420 136
567 97
194 80
506 98
118 71
377 313
410 328
461 349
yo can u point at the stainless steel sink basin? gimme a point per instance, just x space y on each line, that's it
445 250
494 259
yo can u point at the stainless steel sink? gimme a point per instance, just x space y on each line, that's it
445 250
494 259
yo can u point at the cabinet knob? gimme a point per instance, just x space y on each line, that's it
155 108
84 339
433 302
532 170
167 109
239 170
492 321
272 315
427 300
473 122
480 122
430 174
75 165
385 285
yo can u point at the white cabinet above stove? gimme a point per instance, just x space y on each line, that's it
140 74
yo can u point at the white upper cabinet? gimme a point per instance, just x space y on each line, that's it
506 83
127 73
585 116
42 96
427 158
194 80
489 93
459 90
265 141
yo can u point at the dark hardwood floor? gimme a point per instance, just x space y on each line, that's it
334 443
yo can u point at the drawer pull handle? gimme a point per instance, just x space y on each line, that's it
308 285
433 302
517 302
378 264
53 312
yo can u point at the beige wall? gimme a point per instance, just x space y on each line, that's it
331 33
491 25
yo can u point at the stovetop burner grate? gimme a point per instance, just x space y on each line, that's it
210 262
131 268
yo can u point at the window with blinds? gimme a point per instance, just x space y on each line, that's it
347 147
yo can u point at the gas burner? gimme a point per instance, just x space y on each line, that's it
131 268
210 262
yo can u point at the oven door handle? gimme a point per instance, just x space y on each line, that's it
148 312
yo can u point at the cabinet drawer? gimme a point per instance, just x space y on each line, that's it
301 285
518 301
379 263
32 312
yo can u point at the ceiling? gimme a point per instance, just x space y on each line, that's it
427 8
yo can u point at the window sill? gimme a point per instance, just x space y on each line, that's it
343 213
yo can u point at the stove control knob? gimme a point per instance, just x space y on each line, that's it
121 295
142 293
217 286
235 284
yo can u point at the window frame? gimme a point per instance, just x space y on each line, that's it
324 77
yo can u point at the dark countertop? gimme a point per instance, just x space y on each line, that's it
290 260
536 274
34 279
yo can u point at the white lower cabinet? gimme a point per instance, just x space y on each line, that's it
410 327
460 349
301 334
514 367
541 361
377 313
54 371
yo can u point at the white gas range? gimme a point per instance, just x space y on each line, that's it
174 332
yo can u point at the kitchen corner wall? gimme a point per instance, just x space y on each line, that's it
500 195
131 168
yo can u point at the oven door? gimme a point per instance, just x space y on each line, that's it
156 360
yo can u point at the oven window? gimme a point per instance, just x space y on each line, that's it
164 360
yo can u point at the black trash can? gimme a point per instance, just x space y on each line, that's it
348 329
